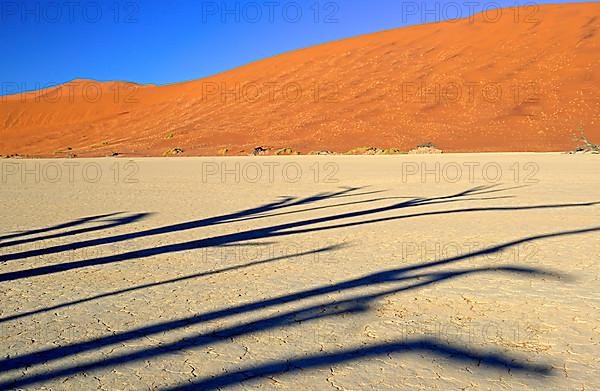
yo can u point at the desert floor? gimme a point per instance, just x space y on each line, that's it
445 272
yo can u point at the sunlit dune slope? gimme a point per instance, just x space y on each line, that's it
470 85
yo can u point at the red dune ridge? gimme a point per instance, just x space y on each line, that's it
464 86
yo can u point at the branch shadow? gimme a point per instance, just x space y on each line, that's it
422 345
171 281
69 224
351 305
262 211
357 303
111 223
266 232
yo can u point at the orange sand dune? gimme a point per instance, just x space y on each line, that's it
464 86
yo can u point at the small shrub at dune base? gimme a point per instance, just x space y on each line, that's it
169 136
366 151
356 151
173 151
286 151
257 151
394 151
426 145
586 146
223 151
425 148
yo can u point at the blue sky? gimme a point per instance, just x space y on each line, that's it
167 41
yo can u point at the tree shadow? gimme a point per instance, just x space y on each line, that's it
259 212
111 223
265 232
421 345
397 276
172 281
347 306
69 224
